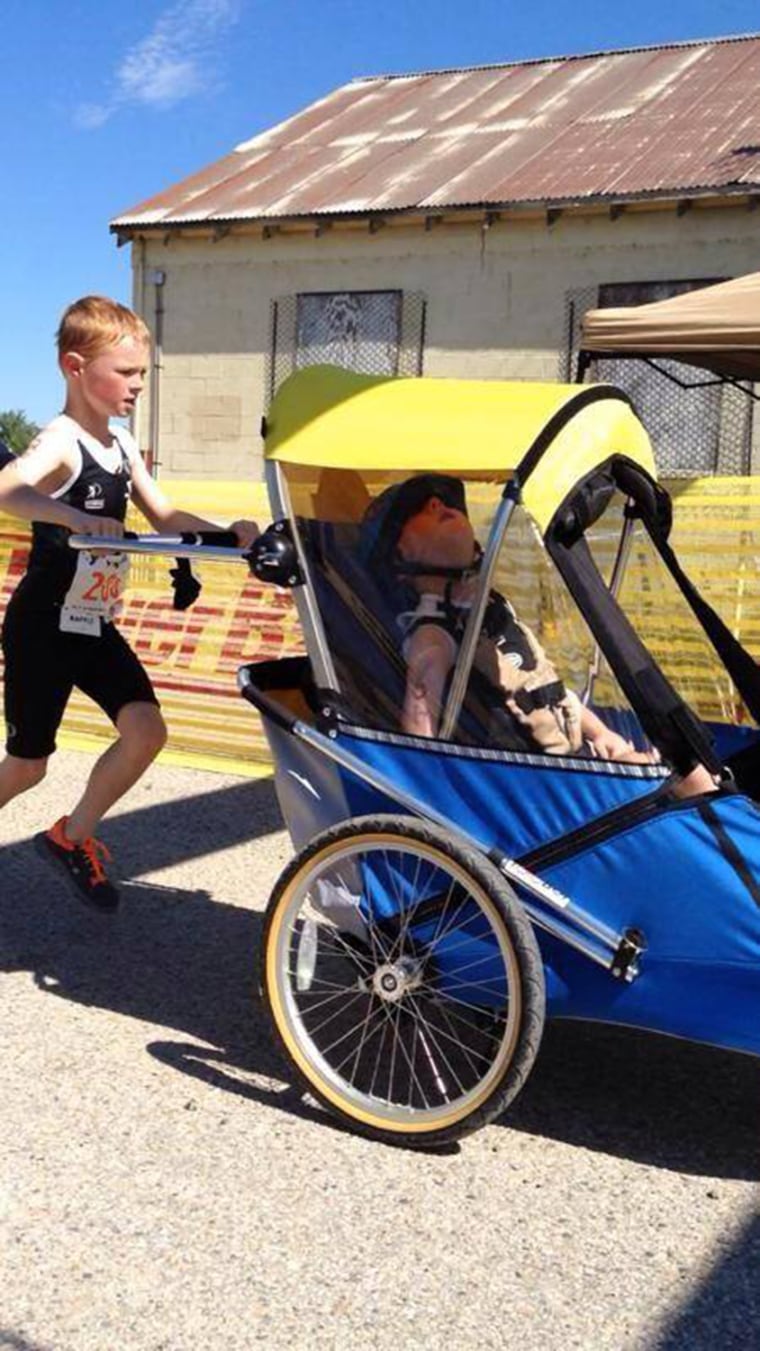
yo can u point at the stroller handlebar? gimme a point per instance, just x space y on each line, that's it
219 544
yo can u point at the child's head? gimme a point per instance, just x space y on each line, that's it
91 325
422 521
103 353
438 535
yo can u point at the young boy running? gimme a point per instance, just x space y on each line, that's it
78 476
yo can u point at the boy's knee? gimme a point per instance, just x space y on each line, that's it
24 774
142 727
159 734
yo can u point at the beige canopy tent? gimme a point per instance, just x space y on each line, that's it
717 327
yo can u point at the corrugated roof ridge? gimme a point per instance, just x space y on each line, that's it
547 60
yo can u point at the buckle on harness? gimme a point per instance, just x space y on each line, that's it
545 696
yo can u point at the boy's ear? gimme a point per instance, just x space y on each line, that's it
72 363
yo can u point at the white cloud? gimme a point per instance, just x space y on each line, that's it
174 61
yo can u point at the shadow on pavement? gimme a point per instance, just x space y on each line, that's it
14 1341
723 1310
182 962
636 1095
173 832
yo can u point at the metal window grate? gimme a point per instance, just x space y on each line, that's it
372 332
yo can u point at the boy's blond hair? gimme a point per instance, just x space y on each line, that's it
94 323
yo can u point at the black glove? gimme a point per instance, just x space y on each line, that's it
185 585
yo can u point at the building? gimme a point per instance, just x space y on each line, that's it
453 222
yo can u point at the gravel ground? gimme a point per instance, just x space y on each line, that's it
164 1187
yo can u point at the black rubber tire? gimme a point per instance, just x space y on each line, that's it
497 905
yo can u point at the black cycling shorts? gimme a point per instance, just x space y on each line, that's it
43 666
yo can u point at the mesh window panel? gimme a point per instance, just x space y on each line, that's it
695 431
372 332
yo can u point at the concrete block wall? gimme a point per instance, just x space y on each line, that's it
495 304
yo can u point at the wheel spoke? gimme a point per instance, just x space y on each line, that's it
448 1037
410 1062
464 1049
334 940
378 950
427 1033
359 994
432 944
326 999
408 915
443 1002
378 1061
374 1012
451 999
453 927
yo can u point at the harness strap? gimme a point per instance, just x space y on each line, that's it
544 696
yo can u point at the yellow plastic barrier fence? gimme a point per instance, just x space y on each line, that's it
716 533
193 656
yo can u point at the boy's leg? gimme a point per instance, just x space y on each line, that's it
36 686
142 733
112 675
18 774
109 672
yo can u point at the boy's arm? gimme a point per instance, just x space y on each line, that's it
166 518
428 664
25 485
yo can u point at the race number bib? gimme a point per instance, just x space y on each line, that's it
96 592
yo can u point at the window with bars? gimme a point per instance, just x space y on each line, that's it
372 332
698 431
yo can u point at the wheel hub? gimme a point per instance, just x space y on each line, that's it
393 980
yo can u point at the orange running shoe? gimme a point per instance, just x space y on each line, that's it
82 864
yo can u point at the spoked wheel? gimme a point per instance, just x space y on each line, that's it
403 979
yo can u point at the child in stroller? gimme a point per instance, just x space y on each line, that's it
419 532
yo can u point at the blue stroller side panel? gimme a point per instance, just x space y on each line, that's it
517 802
689 879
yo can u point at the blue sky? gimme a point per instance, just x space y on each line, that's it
102 104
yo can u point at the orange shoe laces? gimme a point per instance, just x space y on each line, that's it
96 853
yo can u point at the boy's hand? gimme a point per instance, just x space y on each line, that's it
81 523
247 532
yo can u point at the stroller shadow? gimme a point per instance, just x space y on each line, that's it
184 963
651 1099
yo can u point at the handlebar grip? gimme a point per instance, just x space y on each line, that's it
223 539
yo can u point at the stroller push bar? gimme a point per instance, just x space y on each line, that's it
211 544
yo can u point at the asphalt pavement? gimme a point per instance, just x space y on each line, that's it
164 1186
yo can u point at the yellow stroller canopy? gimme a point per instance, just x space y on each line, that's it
549 436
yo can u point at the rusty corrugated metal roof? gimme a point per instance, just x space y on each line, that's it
650 122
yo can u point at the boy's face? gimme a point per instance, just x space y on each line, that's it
439 535
110 382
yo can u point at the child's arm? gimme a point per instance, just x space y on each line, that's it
604 742
165 518
428 664
25 485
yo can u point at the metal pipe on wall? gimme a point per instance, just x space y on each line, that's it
157 278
